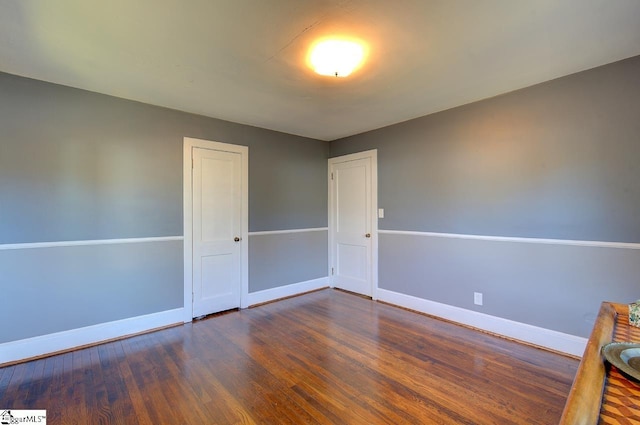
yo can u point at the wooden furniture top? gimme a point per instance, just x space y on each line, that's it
600 393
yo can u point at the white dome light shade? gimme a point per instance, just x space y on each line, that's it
337 58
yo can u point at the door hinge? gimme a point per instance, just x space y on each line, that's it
332 272
331 176
192 163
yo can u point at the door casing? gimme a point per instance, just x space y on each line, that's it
187 156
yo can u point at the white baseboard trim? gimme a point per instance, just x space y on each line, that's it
553 340
287 290
59 341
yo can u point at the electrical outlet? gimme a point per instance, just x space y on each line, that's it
477 298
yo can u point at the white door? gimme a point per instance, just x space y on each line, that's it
217 230
353 223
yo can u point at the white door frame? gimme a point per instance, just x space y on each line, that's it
187 164
373 156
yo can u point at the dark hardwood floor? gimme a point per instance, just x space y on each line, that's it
325 357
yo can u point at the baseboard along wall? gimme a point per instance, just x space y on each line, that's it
273 294
62 341
39 346
553 340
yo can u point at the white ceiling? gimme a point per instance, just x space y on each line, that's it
244 60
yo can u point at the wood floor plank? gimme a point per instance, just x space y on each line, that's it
134 397
325 357
6 373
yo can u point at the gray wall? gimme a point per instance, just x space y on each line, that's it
76 165
50 290
286 258
558 160
551 286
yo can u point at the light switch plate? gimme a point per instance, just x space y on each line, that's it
380 212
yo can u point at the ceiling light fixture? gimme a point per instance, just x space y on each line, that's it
336 57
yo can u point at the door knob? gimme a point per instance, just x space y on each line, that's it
368 235
237 239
